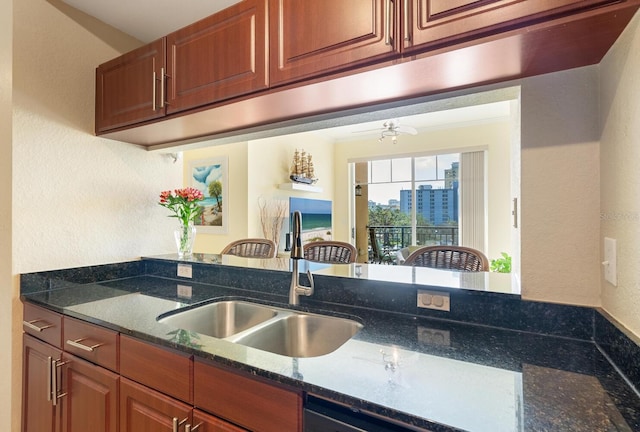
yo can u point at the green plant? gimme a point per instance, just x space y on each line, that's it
501 265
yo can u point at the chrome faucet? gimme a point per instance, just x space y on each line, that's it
295 290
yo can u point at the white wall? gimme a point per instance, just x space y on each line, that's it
560 201
77 199
9 312
620 178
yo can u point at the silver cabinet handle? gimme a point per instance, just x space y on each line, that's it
177 423
406 12
387 22
161 87
55 393
153 92
189 428
32 325
76 344
49 378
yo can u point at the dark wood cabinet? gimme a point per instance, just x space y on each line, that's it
208 423
91 401
39 413
130 88
310 38
219 57
433 23
228 394
143 409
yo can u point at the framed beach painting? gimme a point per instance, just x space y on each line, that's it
210 177
316 218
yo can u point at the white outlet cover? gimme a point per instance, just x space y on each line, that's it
610 264
184 270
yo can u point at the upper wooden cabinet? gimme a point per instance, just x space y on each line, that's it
219 57
309 38
431 23
129 88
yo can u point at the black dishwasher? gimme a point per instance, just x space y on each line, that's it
323 416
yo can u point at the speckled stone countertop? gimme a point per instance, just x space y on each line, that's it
431 374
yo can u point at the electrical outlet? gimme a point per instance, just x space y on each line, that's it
437 300
610 264
185 291
184 270
434 337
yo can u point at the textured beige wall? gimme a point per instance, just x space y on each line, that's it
620 176
77 199
10 354
560 186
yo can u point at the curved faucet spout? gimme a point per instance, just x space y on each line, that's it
295 289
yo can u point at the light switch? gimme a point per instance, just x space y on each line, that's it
610 265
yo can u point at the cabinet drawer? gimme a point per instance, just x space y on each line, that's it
161 369
91 342
43 324
245 401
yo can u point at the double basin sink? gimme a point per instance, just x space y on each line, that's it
278 330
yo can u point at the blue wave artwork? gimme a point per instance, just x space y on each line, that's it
316 214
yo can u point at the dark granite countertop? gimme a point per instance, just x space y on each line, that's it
432 374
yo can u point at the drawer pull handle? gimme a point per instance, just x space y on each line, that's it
32 325
76 344
189 428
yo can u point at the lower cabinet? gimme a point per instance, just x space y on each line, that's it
91 397
62 393
143 409
39 414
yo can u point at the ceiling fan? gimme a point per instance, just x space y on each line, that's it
393 129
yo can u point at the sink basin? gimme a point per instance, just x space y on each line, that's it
278 330
220 319
301 335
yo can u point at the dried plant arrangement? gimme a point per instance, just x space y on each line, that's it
272 216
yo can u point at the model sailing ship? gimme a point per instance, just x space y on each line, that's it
302 168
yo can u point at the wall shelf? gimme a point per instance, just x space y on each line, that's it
300 187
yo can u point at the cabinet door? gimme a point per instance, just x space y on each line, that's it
38 411
143 409
309 38
431 23
130 88
91 401
219 57
203 422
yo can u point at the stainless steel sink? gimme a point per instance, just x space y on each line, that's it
301 335
278 330
220 319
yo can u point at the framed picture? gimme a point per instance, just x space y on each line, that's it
316 218
210 177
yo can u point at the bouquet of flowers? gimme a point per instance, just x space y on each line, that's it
183 203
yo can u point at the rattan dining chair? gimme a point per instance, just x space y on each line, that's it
326 251
251 248
449 257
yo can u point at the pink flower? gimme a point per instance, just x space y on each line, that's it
183 203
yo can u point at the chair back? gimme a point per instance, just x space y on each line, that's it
251 248
378 256
449 257
327 251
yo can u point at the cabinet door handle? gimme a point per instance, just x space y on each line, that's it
189 428
177 423
405 13
49 378
32 325
76 344
153 92
161 87
387 22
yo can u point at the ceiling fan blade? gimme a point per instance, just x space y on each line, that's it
406 130
366 131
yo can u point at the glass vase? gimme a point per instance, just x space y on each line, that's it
185 236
